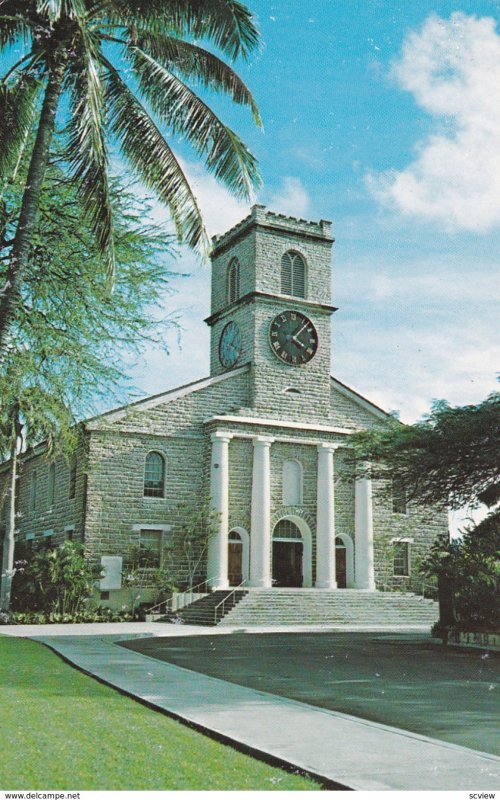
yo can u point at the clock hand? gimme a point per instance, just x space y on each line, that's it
299 330
297 341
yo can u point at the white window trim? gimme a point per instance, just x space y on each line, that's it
165 466
408 541
30 537
48 532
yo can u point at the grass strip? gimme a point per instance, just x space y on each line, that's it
62 730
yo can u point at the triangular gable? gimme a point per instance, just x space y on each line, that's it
360 401
165 397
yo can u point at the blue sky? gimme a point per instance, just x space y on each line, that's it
383 117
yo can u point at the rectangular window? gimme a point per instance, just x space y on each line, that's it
399 503
401 559
150 548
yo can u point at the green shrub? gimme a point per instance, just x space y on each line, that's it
98 614
59 580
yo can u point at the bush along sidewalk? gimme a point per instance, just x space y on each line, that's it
56 586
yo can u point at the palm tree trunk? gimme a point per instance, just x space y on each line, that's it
10 293
9 538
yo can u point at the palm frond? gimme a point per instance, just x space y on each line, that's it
185 113
195 63
87 148
53 10
227 23
12 28
18 106
153 160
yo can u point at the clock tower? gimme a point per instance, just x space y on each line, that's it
271 310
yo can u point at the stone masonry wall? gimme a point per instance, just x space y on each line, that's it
62 519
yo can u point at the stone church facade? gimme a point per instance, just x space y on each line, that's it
266 436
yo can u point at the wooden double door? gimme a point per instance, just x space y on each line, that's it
287 563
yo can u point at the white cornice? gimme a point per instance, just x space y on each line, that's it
276 423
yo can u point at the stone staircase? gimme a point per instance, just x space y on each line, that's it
325 607
202 612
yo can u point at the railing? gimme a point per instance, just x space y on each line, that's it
220 608
423 588
181 599
433 589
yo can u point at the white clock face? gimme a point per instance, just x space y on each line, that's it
230 345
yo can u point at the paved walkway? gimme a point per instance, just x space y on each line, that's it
346 750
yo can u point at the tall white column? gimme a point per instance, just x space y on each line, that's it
363 513
260 538
325 519
219 495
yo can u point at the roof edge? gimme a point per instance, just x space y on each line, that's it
157 399
352 394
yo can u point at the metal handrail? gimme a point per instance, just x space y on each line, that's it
224 599
178 596
389 587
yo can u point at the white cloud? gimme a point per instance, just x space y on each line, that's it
291 198
452 68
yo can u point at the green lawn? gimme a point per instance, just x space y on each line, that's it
63 730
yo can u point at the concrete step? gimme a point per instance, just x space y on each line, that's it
203 611
321 606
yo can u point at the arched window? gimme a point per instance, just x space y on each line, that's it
292 483
233 280
154 475
286 529
293 274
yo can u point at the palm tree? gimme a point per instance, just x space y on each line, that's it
108 69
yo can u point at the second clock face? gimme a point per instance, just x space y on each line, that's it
230 345
293 337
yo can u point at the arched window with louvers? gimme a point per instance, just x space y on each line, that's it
293 274
233 281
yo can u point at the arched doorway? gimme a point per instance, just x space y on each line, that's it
340 563
344 561
288 554
235 559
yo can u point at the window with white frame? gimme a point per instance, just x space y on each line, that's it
154 475
150 542
292 483
401 559
293 274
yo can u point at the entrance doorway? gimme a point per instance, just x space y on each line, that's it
340 563
235 559
288 551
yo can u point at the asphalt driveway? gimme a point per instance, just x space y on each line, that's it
404 680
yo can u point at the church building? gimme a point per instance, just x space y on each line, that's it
266 436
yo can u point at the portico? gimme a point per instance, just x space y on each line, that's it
316 547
